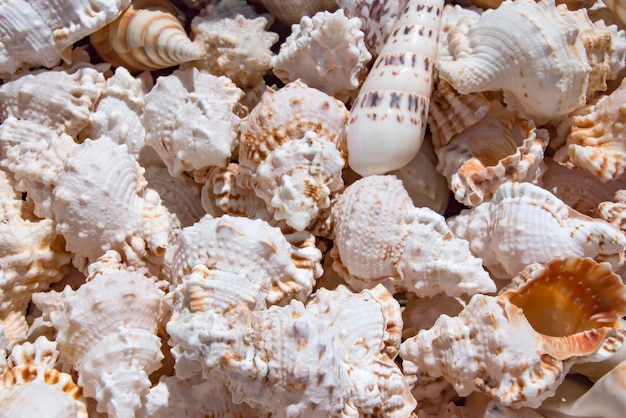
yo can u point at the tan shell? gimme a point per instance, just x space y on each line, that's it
290 12
146 36
518 346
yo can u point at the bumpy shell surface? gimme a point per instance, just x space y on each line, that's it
500 147
326 52
106 331
101 202
189 120
518 346
525 224
235 45
380 237
36 32
541 66
252 251
146 36
290 12
288 372
31 386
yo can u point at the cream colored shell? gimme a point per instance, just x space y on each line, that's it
290 12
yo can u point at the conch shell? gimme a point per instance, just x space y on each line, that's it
517 347
147 36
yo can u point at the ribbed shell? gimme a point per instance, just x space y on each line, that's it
290 12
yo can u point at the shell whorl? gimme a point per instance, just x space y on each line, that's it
147 36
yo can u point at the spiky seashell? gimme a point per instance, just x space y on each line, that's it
290 12
117 113
524 224
380 238
426 186
517 347
451 15
326 52
32 387
60 100
101 202
278 267
13 330
234 45
614 210
377 17
106 331
500 147
595 141
189 120
388 118
147 36
339 340
577 188
541 66
36 32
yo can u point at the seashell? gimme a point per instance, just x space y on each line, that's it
106 331
546 43
377 17
500 147
326 52
36 32
450 18
544 228
31 386
614 210
517 347
618 8
571 5
236 44
292 11
147 36
577 188
274 267
58 99
339 340
379 237
421 313
385 104
594 142
189 120
101 202
13 330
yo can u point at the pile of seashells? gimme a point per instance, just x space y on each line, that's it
312 208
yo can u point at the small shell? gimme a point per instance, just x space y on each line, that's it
500 147
614 210
326 52
147 36
106 331
518 346
380 238
290 12
234 45
32 387
595 142
525 224
189 120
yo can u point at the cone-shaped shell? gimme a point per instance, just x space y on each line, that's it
146 36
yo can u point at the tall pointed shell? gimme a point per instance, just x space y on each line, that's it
146 36
525 224
518 346
541 66
32 387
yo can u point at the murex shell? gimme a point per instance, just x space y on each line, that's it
517 347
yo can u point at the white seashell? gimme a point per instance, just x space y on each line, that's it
236 44
388 118
541 66
274 267
285 360
13 330
379 237
189 120
60 100
36 32
147 36
525 224
498 148
101 202
326 52
32 387
290 12
518 346
106 331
